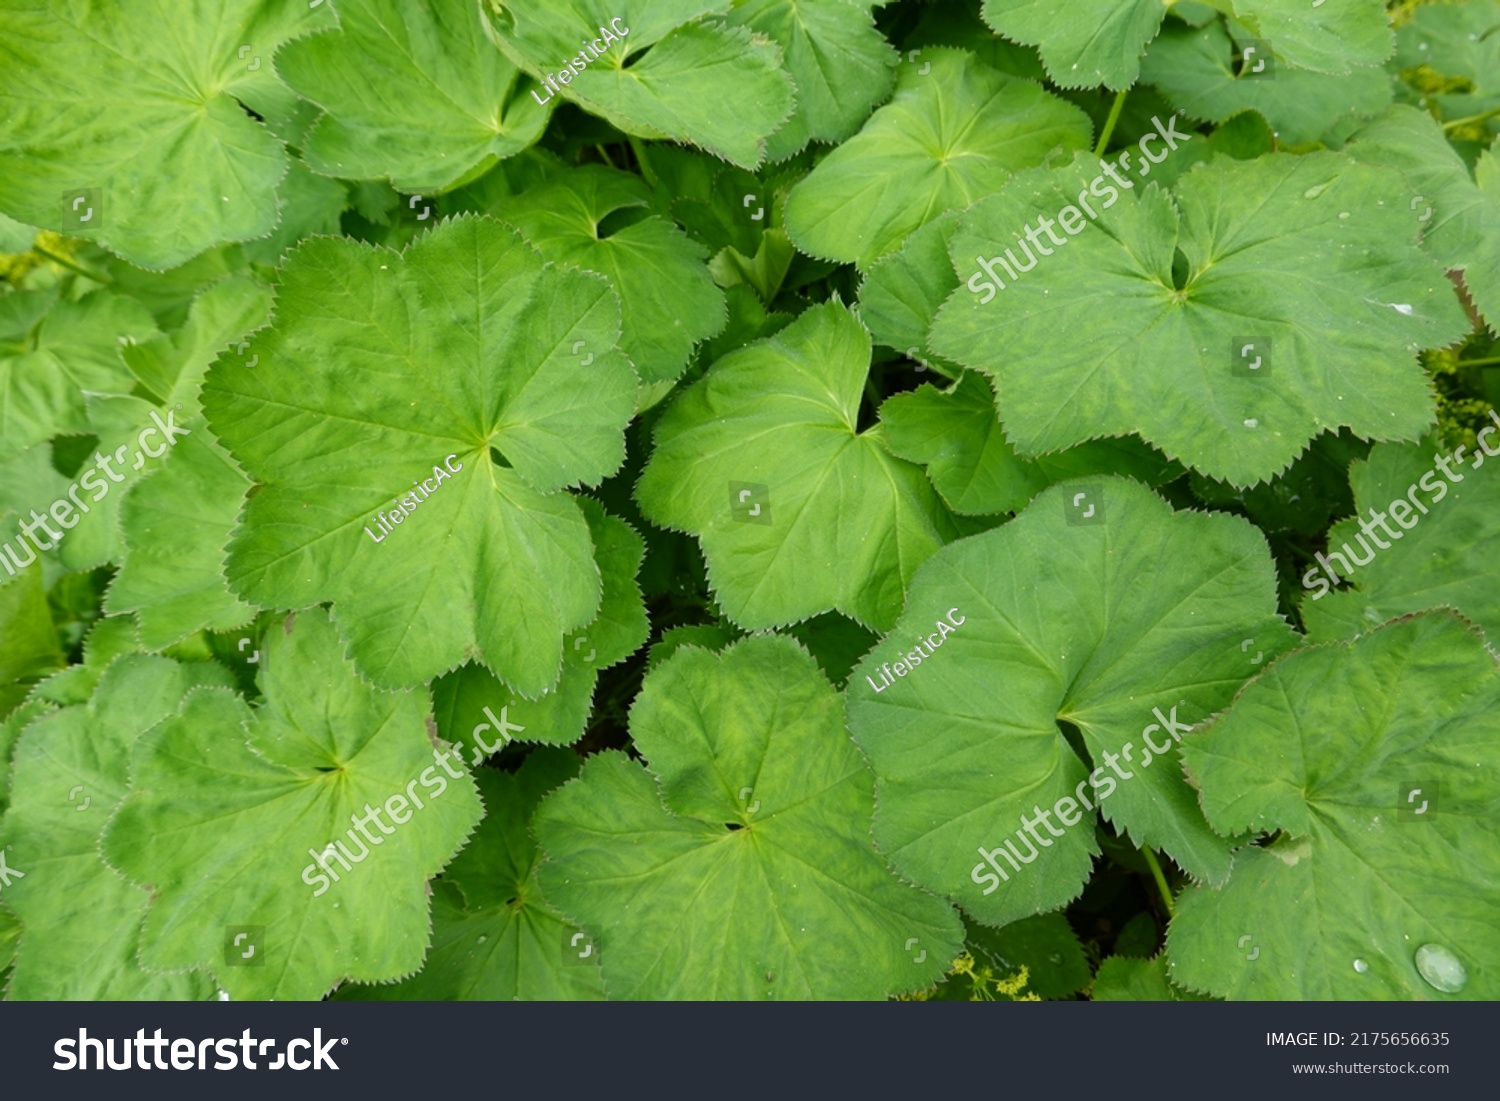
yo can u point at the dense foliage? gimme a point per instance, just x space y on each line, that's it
587 498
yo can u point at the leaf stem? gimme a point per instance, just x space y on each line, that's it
1109 123
603 152
97 277
1456 123
1161 879
640 158
1489 362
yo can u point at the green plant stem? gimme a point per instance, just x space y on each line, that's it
603 152
97 277
1490 362
640 158
1161 880
1456 123
1109 123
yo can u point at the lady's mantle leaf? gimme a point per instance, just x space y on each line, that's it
1064 615
750 873
228 832
1378 760
470 702
175 525
667 301
1142 322
379 371
52 353
843 66
1441 557
956 433
798 511
700 82
414 91
947 138
112 102
1083 42
81 920
494 937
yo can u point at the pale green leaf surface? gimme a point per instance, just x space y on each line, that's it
52 353
1329 746
99 95
956 434
1315 254
944 140
1328 38
1441 558
81 920
1083 42
1131 980
668 302
1196 70
782 413
462 344
225 805
413 91
1456 40
841 64
494 936
175 525
703 83
749 874
1047 621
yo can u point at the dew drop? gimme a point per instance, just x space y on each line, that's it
1441 968
1401 308
483 938
1361 966
1316 190
1252 423
1343 214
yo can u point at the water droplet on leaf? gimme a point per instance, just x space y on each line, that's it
1361 966
1441 968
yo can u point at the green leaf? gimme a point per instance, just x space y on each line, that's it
1310 258
106 640
171 366
226 804
467 347
175 525
29 648
1460 221
81 921
309 204
1442 556
668 302
841 64
701 82
1063 616
52 353
1197 71
108 102
1083 42
902 292
10 730
947 138
956 434
1331 746
1045 945
494 936
1129 980
750 873
758 456
471 700
1454 39
1333 38
413 92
